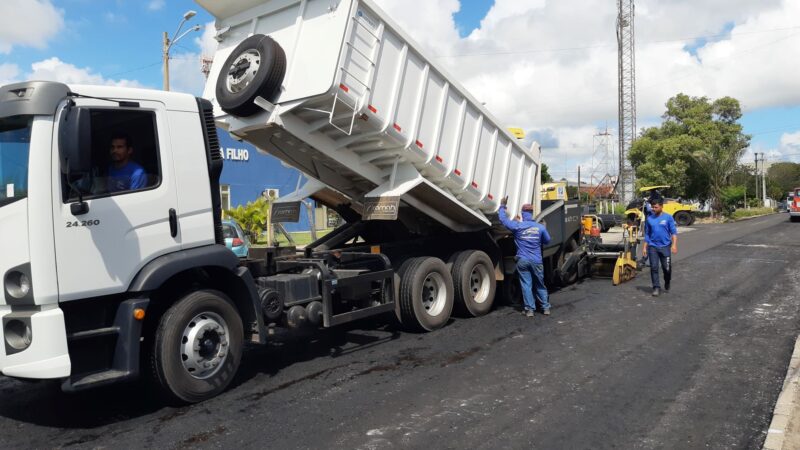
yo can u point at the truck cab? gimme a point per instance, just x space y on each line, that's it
85 251
793 205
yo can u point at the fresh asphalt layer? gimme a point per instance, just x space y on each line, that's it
613 367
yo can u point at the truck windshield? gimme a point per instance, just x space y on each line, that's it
15 139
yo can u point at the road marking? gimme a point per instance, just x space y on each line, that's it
756 245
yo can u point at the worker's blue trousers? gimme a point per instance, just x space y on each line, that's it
531 277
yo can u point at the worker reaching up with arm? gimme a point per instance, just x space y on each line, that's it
529 236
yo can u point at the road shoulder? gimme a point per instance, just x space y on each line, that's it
784 430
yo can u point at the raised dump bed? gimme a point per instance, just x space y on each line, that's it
363 110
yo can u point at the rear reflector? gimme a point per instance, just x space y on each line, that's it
397 127
372 108
491 197
475 185
457 172
439 158
344 88
419 144
237 242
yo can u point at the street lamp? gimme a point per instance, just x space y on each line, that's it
168 43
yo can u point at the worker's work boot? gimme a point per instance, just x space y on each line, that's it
528 313
546 312
656 292
666 286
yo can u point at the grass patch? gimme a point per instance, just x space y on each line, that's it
744 213
300 238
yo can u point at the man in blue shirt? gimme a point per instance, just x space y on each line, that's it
660 242
529 236
124 174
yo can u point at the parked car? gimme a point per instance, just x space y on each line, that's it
235 238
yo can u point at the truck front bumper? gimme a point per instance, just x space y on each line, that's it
794 213
34 343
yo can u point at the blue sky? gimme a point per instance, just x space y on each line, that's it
121 40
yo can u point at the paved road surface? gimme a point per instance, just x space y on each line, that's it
700 367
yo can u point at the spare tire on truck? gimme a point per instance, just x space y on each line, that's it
425 294
255 68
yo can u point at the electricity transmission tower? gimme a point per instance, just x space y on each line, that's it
601 159
627 97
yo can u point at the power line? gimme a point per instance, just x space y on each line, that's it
591 47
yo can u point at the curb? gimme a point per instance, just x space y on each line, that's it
785 408
753 217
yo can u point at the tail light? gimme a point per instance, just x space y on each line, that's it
237 242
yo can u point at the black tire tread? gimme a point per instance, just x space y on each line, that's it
165 322
459 260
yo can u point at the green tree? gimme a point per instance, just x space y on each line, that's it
252 217
782 177
696 149
546 177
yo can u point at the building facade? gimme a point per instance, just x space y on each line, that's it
248 173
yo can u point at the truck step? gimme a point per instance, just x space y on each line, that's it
91 380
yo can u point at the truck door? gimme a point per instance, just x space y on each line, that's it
131 198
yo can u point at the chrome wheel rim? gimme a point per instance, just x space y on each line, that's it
243 71
204 345
434 294
479 283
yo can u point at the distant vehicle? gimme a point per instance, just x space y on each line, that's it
794 206
235 238
683 213
554 191
788 202
783 206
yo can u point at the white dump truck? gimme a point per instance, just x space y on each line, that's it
110 224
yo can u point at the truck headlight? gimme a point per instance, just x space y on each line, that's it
18 284
18 334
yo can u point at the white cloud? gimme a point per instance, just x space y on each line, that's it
155 5
789 149
29 23
53 69
553 64
8 73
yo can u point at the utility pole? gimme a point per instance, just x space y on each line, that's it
165 57
764 178
167 43
627 97
756 172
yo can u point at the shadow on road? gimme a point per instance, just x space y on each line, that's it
44 404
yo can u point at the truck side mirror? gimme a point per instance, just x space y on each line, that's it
75 142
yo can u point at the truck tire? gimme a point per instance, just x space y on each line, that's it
570 247
197 347
683 218
474 282
425 295
255 68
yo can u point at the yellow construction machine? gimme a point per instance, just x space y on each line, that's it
681 212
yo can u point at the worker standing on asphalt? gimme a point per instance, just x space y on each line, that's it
660 243
529 237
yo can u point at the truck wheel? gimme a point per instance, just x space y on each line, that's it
425 296
569 248
474 282
197 346
256 67
682 218
511 290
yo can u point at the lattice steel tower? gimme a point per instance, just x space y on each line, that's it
627 97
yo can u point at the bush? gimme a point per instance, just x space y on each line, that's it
742 213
